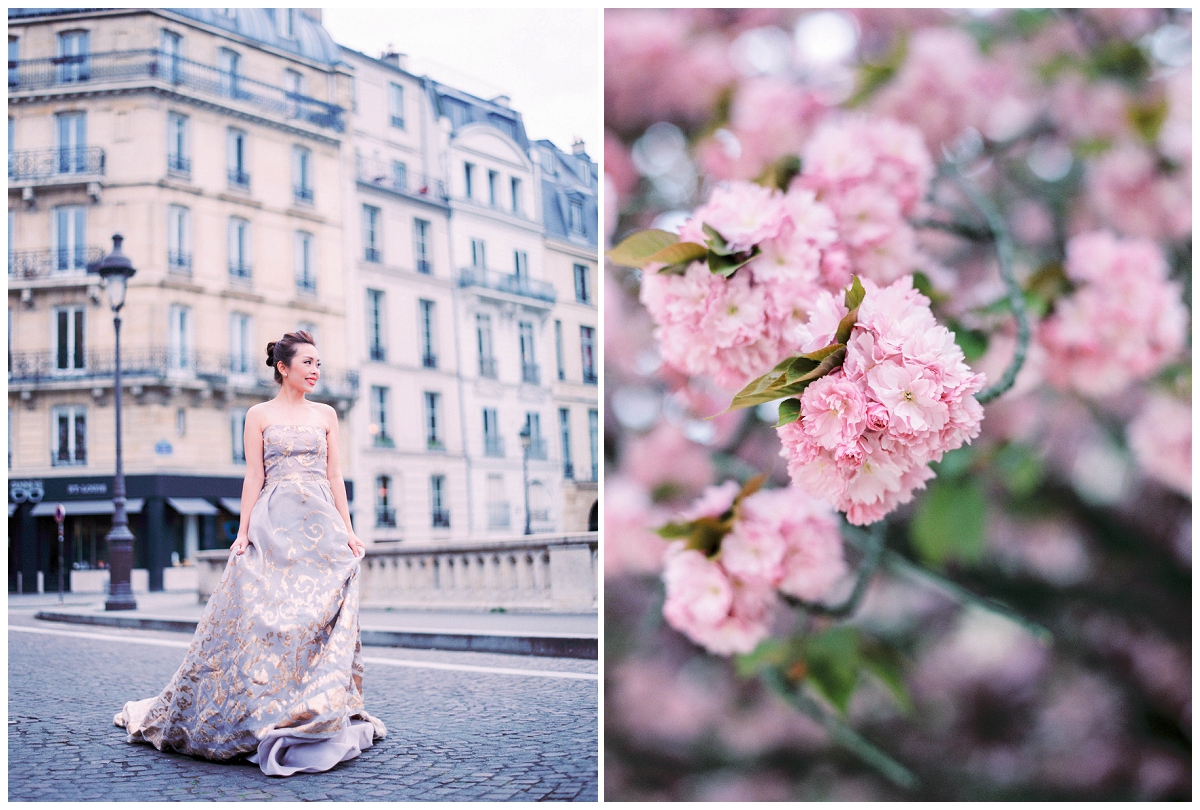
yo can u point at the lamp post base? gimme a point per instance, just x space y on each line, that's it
121 599
120 561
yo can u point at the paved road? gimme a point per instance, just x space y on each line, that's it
461 726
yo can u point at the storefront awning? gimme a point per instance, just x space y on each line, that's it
46 508
233 505
192 506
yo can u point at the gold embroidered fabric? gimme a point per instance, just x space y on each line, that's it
277 653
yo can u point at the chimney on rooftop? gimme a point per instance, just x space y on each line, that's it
502 101
394 58
578 147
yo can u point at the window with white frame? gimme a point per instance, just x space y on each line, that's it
575 216
428 333
469 178
379 416
396 105
71 136
493 443
237 427
180 356
235 146
587 347
239 248
179 239
306 273
433 421
14 71
594 438
229 64
583 293
171 56
297 91
558 349
483 335
302 185
421 246
537 446
375 326
499 515
477 255
515 188
385 510
74 50
399 175
564 430
529 369
285 22
68 435
240 344
437 502
70 233
372 236
69 338
178 156
521 266
493 181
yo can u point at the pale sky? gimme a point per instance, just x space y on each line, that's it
546 60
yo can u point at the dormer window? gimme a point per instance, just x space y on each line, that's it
285 21
575 216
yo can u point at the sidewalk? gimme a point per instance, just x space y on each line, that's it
560 635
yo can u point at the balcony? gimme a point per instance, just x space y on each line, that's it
179 262
240 271
306 285
377 353
380 174
530 373
507 283
441 518
65 459
170 72
568 471
33 371
589 376
424 267
385 518
487 367
178 164
537 449
499 515
434 444
303 194
429 360
383 440
493 446
238 178
55 166
373 255
64 263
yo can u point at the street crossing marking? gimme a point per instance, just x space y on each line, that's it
393 662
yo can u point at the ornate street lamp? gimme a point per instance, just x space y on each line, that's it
526 439
116 270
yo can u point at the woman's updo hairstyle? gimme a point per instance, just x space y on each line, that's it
284 349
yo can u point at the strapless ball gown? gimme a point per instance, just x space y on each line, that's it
274 671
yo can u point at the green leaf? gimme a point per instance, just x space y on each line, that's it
833 662
805 364
855 295
770 652
636 249
777 385
673 531
716 242
846 326
727 264
956 463
789 411
949 522
683 253
707 533
887 665
1147 119
780 173
973 342
1020 468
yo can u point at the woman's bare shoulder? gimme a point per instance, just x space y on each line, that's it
326 414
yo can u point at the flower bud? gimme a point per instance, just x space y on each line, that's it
877 416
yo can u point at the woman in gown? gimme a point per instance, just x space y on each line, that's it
275 670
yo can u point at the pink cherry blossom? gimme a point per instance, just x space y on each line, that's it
1125 321
723 614
1161 439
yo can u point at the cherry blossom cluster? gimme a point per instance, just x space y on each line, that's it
845 214
1124 322
902 397
1161 439
782 541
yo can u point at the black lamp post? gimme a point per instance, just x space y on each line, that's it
526 439
116 270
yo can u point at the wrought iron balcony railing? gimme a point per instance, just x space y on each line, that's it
178 262
240 271
507 282
537 449
373 255
424 267
377 352
441 518
304 194
435 444
487 367
429 360
385 518
380 174
53 262
159 364
589 376
158 67
568 470
530 373
32 166
493 446
178 164
306 284
239 178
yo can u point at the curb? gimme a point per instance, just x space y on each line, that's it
550 646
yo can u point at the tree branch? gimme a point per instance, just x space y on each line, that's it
872 547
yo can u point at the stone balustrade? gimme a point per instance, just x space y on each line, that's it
549 572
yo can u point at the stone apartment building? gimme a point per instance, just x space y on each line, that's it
267 179
212 140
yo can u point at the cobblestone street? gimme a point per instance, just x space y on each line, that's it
461 726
